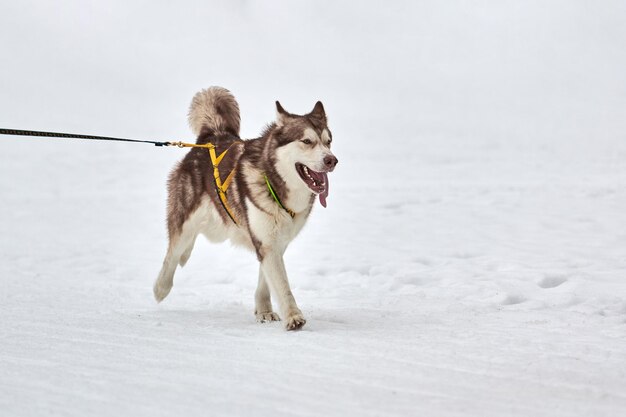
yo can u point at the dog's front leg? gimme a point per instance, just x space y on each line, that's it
263 301
273 268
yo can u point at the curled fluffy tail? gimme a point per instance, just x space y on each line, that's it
216 109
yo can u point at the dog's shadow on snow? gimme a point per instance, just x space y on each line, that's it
229 318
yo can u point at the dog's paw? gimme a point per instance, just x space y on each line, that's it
295 321
161 291
267 316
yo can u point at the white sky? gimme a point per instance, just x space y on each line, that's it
506 69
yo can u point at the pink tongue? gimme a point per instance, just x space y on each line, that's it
324 194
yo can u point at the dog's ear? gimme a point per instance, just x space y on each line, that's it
281 114
318 112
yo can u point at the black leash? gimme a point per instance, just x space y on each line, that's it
16 132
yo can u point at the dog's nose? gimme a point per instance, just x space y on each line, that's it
330 161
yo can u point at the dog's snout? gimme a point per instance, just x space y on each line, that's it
330 161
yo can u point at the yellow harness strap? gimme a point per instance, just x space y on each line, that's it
222 187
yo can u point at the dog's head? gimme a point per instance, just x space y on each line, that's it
304 158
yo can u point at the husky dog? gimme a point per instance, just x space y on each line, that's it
258 192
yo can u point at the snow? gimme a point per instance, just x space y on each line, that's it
471 259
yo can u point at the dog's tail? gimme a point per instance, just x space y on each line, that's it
216 109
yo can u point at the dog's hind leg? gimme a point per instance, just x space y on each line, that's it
187 253
178 253
164 282
263 301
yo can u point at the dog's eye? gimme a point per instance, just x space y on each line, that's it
306 141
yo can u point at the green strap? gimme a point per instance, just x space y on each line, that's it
269 187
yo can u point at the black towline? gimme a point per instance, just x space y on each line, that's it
18 132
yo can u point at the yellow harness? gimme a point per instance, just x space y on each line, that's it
222 187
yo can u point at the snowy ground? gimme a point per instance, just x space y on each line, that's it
471 261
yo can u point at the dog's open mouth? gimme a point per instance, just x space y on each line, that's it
316 181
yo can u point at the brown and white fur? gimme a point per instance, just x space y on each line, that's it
282 152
